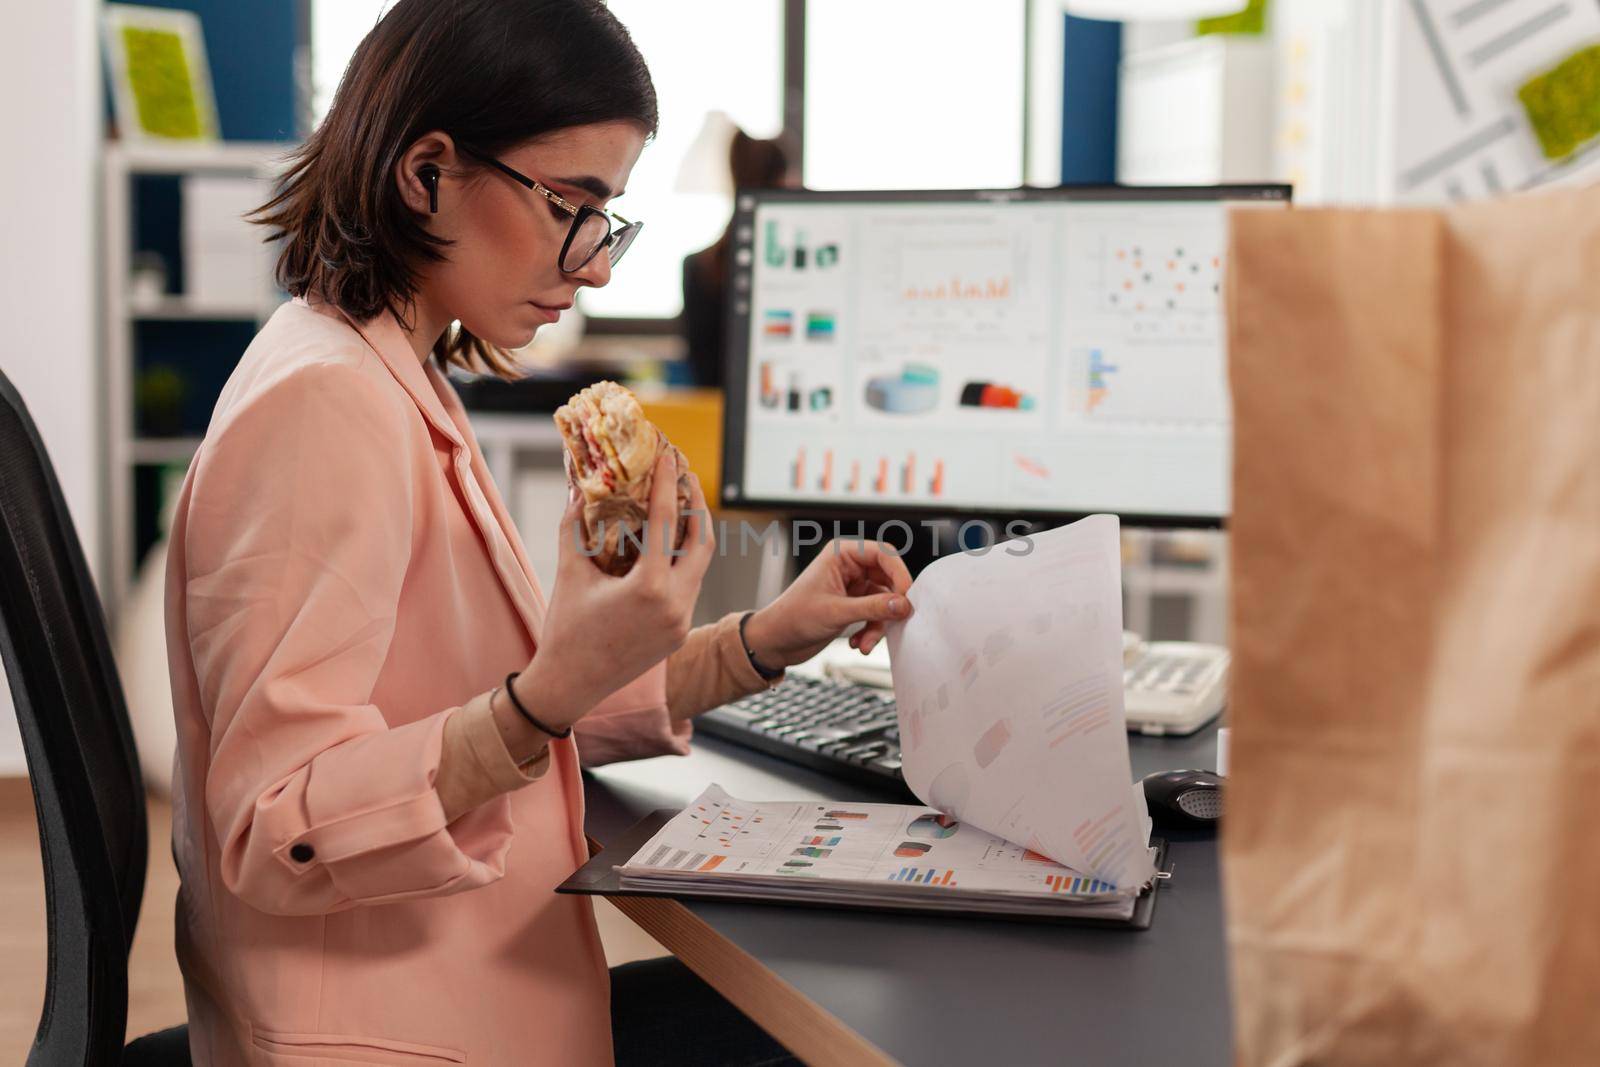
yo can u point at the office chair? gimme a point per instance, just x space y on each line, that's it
87 792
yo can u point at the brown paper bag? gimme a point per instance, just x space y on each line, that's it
1412 844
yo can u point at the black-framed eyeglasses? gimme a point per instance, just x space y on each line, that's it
591 226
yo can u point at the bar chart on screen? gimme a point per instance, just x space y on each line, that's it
833 471
956 288
954 280
1099 374
1135 384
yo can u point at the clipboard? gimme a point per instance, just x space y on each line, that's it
599 877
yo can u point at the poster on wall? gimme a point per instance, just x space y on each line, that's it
1494 97
160 81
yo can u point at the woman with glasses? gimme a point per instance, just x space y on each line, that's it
381 713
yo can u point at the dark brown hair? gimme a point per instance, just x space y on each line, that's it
491 73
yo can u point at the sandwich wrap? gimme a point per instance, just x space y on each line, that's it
611 451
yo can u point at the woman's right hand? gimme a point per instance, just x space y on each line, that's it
601 631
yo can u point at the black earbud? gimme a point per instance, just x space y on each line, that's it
429 174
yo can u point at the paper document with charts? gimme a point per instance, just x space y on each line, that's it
1008 678
1008 681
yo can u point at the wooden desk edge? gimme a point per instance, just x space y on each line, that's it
808 1031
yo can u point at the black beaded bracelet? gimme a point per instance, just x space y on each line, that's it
526 714
766 672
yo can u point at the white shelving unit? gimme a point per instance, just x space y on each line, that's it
125 450
1190 566
1197 111
177 309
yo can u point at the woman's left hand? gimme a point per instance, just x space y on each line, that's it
850 581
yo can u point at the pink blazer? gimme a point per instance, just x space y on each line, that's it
342 576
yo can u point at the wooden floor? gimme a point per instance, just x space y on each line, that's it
155 988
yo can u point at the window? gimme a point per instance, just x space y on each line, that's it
337 26
914 95
899 94
704 55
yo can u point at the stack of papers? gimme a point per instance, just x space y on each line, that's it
891 855
1008 684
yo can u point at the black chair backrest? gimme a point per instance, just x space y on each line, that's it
87 791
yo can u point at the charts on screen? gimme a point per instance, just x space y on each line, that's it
1044 354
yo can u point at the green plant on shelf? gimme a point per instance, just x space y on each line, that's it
1250 21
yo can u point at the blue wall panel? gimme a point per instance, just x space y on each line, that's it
1090 54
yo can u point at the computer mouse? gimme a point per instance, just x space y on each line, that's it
1184 798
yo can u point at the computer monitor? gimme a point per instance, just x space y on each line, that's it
1047 353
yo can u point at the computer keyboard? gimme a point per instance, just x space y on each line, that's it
844 730
851 731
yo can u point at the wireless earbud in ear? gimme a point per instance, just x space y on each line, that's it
429 174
